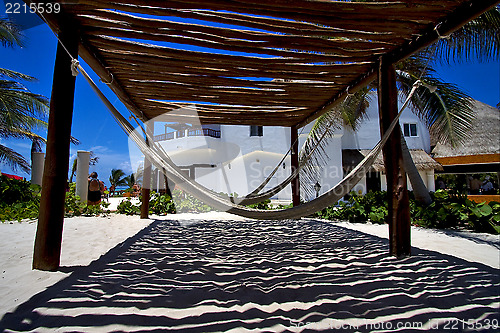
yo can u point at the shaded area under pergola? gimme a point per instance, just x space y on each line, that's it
267 276
239 62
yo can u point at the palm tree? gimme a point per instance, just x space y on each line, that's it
116 178
21 111
130 180
446 109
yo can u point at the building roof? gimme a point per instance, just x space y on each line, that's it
222 56
484 137
422 160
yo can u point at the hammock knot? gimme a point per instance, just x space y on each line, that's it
74 67
436 28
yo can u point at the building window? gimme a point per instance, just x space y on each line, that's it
256 130
410 130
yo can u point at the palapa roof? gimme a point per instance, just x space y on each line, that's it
484 137
422 160
280 62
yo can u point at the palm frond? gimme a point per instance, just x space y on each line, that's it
478 40
13 160
10 34
117 178
16 75
19 133
349 113
20 108
448 112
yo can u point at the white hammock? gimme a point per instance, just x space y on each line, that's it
328 198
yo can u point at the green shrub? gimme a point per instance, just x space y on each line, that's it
448 210
358 208
161 204
15 190
186 203
74 207
19 199
128 208
451 210
266 204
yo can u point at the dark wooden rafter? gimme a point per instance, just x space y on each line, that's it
315 54
454 21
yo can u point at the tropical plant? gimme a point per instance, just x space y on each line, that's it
21 111
128 208
161 204
129 180
446 109
19 199
117 178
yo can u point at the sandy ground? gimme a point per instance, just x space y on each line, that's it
86 239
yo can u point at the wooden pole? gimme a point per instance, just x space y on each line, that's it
48 239
397 192
146 178
294 165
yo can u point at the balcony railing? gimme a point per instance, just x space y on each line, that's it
189 132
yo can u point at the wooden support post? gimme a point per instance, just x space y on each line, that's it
48 239
146 178
397 192
294 165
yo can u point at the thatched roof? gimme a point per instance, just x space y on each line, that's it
422 160
484 136
224 56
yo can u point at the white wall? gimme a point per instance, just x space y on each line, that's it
367 134
244 162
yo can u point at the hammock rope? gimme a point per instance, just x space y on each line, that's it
195 189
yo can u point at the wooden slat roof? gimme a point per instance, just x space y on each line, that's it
279 62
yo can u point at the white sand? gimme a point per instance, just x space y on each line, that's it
87 238
84 239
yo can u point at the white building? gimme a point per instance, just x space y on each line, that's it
236 159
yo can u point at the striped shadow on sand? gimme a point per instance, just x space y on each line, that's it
263 276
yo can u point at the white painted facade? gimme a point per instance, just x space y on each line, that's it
237 162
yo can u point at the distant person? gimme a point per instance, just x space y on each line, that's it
96 189
475 186
487 187
112 190
440 184
137 190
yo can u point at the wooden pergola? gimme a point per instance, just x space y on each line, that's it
243 62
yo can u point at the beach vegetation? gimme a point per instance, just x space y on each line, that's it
117 178
127 207
21 111
161 204
19 199
448 210
186 203
358 208
73 206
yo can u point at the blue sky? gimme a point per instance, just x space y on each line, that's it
98 132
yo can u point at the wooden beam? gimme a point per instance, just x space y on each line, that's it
454 21
397 192
467 12
50 220
294 165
